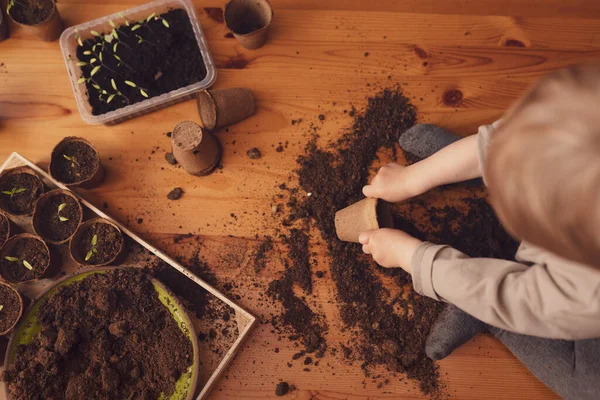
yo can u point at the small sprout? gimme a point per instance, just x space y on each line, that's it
165 23
94 47
95 86
112 23
114 85
81 63
80 41
62 219
72 159
12 259
114 33
115 47
93 60
95 70
125 18
150 17
143 93
95 240
13 191
110 98
87 52
81 80
129 83
27 265
94 33
93 250
117 57
60 208
67 157
136 27
100 56
1 307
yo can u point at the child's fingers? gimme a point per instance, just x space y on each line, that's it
369 191
366 249
364 237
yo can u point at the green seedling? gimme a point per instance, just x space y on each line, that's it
72 159
13 191
16 259
93 250
11 4
1 307
60 208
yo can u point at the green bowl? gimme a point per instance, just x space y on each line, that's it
29 327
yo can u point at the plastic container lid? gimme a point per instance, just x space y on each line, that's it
68 45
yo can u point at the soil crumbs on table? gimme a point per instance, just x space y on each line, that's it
388 330
105 337
153 57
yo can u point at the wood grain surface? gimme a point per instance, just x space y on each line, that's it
461 61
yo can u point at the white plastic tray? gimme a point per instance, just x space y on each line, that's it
68 45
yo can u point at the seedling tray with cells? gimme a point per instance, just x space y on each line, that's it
209 310
137 61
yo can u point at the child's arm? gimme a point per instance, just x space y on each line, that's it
455 163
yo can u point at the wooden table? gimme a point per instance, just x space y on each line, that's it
489 50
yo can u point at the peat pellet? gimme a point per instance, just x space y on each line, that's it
175 194
254 154
97 242
37 17
197 151
57 216
76 163
223 107
170 158
24 258
249 21
282 389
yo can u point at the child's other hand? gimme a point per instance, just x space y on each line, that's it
390 248
391 184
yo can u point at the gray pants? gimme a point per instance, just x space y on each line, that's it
569 368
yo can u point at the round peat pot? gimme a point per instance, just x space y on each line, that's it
249 21
11 310
222 107
5 228
366 215
198 152
38 17
76 163
3 27
19 190
97 242
57 216
30 327
23 258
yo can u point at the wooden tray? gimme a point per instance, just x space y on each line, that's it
215 355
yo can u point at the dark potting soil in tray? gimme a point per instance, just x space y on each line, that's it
50 224
109 243
168 58
74 162
31 250
10 307
388 330
4 228
31 12
24 201
105 337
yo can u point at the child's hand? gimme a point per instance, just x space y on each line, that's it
390 248
391 184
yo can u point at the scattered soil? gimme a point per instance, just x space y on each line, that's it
170 158
48 218
25 249
175 194
282 389
31 12
168 58
21 203
261 255
82 164
299 255
11 305
109 243
105 337
254 154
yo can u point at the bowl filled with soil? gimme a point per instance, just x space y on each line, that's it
76 163
57 216
5 228
11 308
39 17
110 333
23 258
137 61
97 242
19 190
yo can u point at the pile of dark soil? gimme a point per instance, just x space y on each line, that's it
74 162
260 257
390 330
105 337
158 55
31 12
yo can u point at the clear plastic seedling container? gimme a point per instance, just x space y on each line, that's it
69 43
